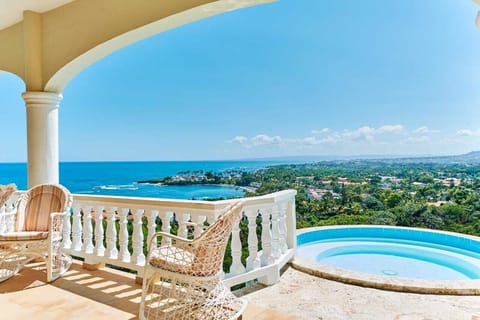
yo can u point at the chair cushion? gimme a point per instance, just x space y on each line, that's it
24 236
172 259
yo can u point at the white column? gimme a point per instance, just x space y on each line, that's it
42 136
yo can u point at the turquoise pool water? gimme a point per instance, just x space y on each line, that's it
395 252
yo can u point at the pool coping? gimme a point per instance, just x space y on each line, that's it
441 287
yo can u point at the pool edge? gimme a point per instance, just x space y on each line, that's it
438 287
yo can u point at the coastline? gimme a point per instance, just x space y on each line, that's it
244 188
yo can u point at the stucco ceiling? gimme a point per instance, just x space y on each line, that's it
11 11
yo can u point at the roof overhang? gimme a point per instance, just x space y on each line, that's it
47 42
12 11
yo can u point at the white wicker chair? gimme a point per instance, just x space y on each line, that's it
39 217
6 192
183 278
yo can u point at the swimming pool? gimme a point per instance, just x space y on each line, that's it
404 259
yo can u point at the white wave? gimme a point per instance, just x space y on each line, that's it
117 187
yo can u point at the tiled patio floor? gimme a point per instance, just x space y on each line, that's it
112 294
86 295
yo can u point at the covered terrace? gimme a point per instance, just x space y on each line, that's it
46 43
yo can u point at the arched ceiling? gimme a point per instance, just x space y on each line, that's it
12 11
48 42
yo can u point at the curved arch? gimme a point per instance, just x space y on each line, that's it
64 73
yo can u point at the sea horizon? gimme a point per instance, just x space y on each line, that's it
277 158
120 178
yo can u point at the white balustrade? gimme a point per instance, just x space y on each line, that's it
99 249
198 220
282 228
124 253
267 257
152 225
291 224
182 220
253 261
138 257
276 232
77 243
166 227
67 230
125 248
111 234
87 230
237 267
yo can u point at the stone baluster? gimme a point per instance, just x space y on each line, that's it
266 257
124 254
291 224
138 257
182 218
253 261
275 233
67 230
152 226
99 249
282 230
111 234
77 229
87 230
237 267
166 227
199 220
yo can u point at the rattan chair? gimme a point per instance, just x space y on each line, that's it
6 192
39 215
183 278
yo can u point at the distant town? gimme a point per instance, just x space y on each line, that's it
443 194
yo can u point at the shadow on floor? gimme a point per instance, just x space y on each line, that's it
106 286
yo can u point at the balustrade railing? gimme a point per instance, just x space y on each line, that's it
116 231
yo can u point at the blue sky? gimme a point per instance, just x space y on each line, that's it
295 77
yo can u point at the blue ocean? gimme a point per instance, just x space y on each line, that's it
120 178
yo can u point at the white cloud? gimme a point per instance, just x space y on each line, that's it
361 134
308 141
263 139
367 133
424 130
321 131
362 138
239 139
468 133
397 128
258 140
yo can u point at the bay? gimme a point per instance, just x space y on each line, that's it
120 178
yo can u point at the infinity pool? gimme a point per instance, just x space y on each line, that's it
400 253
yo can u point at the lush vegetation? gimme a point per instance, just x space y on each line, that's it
428 195
438 196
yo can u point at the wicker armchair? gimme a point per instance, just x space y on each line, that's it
6 192
183 278
39 217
